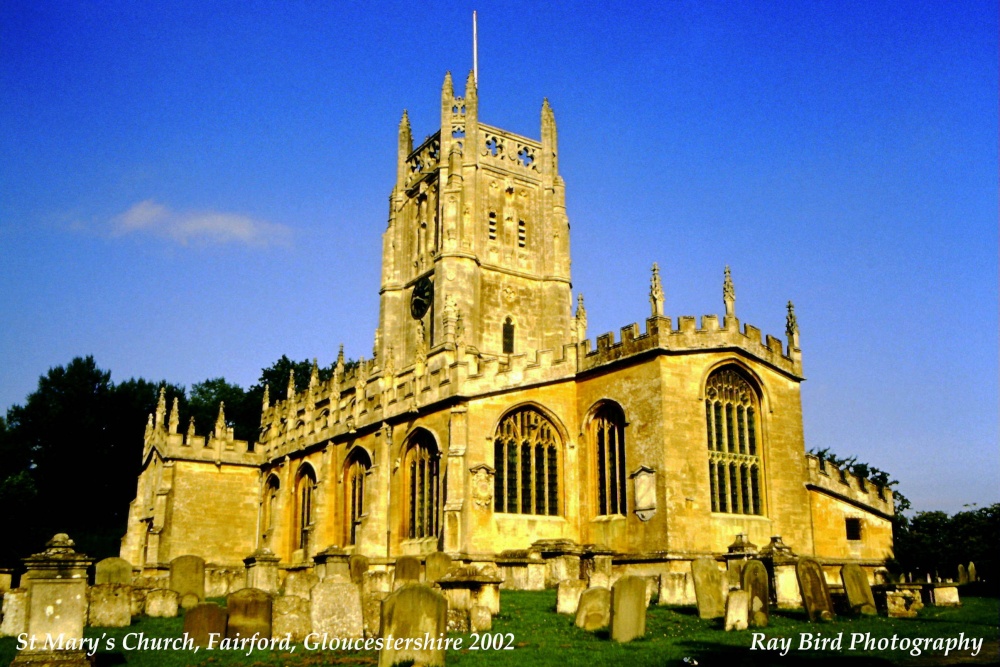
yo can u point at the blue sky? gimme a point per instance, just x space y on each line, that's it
192 190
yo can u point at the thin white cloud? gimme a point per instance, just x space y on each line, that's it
198 227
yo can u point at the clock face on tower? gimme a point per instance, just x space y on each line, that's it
421 298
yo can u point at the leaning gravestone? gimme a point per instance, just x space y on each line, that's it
357 565
113 571
407 570
594 610
568 595
249 612
815 592
628 609
963 574
204 620
335 608
737 610
162 603
413 611
859 592
290 616
187 578
437 565
110 606
708 588
754 582
480 619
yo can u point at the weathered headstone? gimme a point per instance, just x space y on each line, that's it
162 603
300 583
814 590
945 596
187 579
407 571
290 616
737 610
972 572
203 620
601 575
113 571
15 613
708 583
358 566
139 600
676 588
754 582
628 609
568 595
249 613
859 592
6 579
110 606
480 619
335 608
437 565
458 621
594 610
963 574
413 611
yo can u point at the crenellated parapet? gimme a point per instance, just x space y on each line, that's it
689 335
851 488
219 446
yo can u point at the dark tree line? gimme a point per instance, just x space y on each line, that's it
71 454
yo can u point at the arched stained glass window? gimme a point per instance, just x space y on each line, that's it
269 507
608 433
526 458
423 487
734 465
305 489
358 465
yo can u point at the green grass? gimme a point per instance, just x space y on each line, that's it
542 637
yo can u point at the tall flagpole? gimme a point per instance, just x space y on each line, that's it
475 51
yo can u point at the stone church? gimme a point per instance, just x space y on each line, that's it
489 426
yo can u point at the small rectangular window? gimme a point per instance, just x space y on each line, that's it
493 226
853 529
522 234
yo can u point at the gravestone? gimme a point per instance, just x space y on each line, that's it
963 574
815 592
737 610
113 571
945 596
676 588
358 566
407 571
290 616
437 565
708 583
972 572
903 602
300 583
754 582
110 606
601 575
6 579
187 579
859 592
568 595
335 608
203 620
413 611
249 613
594 610
628 609
139 601
15 612
458 620
162 603
480 619
371 611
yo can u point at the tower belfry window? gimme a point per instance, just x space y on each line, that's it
522 234
508 336
493 226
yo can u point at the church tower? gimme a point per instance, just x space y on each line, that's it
476 252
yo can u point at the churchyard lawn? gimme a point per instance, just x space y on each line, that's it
674 636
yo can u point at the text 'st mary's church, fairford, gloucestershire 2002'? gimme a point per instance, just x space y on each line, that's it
488 426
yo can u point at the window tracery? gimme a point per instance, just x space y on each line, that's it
423 487
733 443
608 432
526 459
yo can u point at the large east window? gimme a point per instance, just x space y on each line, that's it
731 419
526 458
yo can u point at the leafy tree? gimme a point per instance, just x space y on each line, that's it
203 405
